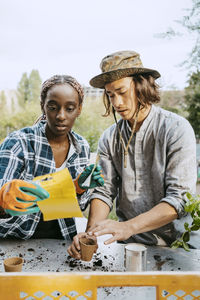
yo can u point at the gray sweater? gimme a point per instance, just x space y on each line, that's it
161 167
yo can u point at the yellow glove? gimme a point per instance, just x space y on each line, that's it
19 197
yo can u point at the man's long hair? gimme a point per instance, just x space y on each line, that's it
146 89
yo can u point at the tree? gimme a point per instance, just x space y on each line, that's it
34 85
12 105
2 101
191 23
173 100
25 117
23 92
29 88
192 96
91 123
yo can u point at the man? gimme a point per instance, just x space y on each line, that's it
148 159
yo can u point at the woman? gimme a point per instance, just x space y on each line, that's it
44 148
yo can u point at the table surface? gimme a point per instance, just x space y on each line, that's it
48 255
51 255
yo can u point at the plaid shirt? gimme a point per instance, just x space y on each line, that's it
25 154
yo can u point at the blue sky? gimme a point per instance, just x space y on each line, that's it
71 37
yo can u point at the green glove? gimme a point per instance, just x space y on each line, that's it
96 177
19 197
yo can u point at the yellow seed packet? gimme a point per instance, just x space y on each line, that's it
62 202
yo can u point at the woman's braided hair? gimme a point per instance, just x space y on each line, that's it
61 79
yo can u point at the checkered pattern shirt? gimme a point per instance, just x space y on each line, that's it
25 154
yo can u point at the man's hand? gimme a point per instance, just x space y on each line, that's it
158 216
96 179
74 248
120 230
19 197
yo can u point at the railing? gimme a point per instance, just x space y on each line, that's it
82 286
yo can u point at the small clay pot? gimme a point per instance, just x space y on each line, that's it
13 264
88 247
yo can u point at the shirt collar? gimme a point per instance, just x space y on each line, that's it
146 121
72 136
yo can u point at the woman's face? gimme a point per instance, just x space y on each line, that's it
61 108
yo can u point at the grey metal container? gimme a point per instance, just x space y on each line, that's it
135 257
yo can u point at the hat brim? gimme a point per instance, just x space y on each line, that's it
101 80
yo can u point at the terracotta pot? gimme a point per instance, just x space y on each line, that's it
88 247
13 264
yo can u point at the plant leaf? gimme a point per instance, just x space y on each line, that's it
186 236
185 246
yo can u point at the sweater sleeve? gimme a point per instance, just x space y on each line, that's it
108 192
11 160
181 172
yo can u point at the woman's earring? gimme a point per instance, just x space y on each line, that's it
43 117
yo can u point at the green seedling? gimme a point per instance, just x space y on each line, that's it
192 207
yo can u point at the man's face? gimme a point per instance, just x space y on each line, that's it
122 96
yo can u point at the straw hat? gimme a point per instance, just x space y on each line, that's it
119 65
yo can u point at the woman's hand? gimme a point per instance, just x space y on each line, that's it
74 249
120 230
96 179
19 197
